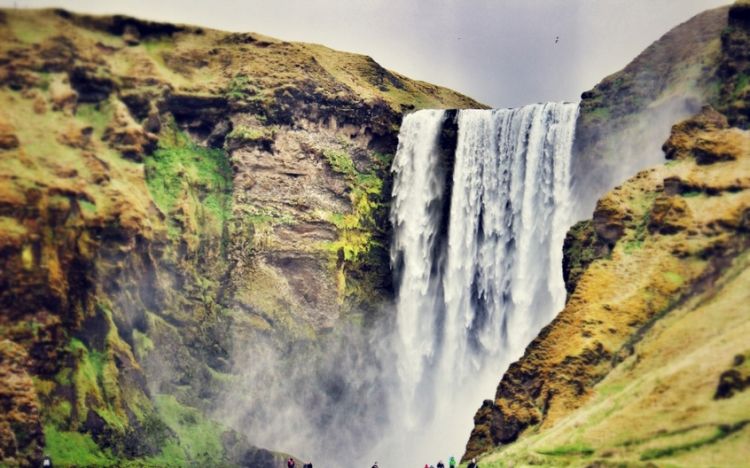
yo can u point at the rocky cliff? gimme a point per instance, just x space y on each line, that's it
647 361
162 185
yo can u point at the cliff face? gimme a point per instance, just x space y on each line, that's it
161 185
647 361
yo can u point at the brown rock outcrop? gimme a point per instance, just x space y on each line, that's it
21 436
128 137
8 138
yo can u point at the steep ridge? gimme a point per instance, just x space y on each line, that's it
170 193
661 250
646 360
625 118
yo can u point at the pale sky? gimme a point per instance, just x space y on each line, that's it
500 52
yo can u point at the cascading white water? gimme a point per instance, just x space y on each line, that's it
418 199
477 257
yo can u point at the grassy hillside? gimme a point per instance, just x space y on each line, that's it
667 403
646 363
246 66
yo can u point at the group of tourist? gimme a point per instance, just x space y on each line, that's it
292 464
451 464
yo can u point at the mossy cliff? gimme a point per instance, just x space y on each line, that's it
165 189
647 361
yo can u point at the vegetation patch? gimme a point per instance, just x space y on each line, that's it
240 88
59 413
250 134
609 390
566 450
143 344
95 380
255 135
191 184
674 278
635 241
356 228
257 215
742 81
359 231
600 113
28 30
340 161
96 115
200 438
262 220
722 431
67 448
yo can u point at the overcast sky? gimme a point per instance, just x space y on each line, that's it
501 52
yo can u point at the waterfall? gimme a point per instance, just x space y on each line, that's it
477 255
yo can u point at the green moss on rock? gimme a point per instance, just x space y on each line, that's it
70 448
190 184
200 438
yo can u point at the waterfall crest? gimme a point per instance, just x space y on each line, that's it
477 255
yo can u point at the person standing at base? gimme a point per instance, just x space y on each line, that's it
441 464
290 463
452 462
473 463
